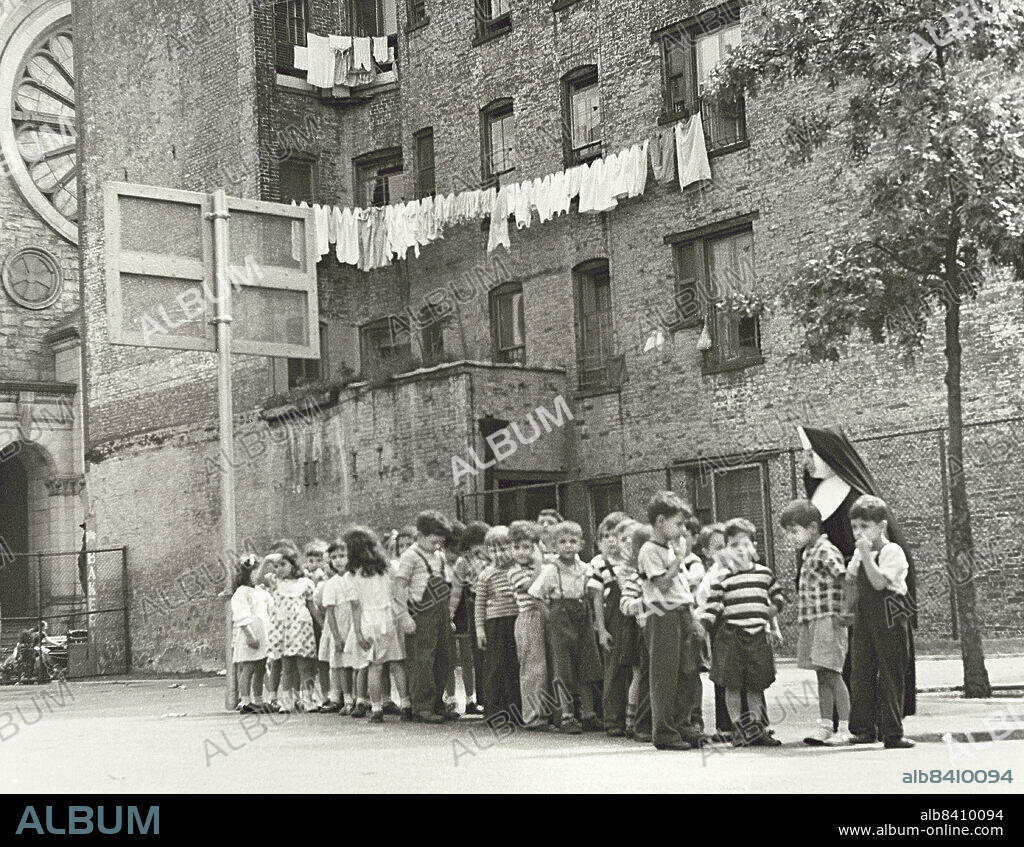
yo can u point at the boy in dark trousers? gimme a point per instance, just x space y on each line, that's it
495 627
420 580
670 625
880 649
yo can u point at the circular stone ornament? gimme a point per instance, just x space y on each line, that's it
32 278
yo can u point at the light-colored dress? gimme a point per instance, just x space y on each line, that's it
336 598
250 607
291 625
378 621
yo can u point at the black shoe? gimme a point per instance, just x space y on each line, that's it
474 708
898 743
537 726
675 745
376 717
391 709
360 711
570 726
592 724
449 715
406 714
765 740
863 739
330 707
642 737
616 732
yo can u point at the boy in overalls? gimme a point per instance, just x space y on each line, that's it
573 596
880 649
421 582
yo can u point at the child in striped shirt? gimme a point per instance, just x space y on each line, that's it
742 601
531 623
495 627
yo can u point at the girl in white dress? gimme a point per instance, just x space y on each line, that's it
379 619
250 616
291 630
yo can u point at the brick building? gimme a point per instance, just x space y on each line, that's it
480 92
41 441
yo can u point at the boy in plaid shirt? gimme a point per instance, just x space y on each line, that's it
822 643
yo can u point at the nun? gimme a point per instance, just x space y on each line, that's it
834 477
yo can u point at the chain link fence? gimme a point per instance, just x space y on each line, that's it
913 475
64 614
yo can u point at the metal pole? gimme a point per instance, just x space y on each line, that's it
39 613
222 321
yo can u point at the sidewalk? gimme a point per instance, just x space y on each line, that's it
941 710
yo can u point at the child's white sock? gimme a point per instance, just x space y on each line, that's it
407 702
844 726
350 700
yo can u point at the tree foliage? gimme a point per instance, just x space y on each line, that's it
932 109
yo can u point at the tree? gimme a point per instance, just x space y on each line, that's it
927 107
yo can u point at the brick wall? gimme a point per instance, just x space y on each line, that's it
668 410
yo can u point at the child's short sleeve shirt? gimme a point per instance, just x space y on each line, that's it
656 560
891 561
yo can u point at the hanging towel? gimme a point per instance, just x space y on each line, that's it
524 204
361 54
560 198
640 182
380 49
663 156
320 58
347 226
574 178
691 152
616 167
499 222
704 343
322 222
588 186
300 58
595 190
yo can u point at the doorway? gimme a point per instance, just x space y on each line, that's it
15 585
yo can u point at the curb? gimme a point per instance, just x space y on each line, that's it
983 736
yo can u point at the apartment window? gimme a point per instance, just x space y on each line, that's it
377 177
712 266
380 352
425 163
594 340
508 323
303 371
417 12
297 180
290 24
582 117
493 18
690 52
373 17
498 133
733 492
431 339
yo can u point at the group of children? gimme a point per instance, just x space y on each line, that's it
548 641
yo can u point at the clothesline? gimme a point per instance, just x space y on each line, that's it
371 238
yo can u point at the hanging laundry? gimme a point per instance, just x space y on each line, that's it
342 47
662 152
614 165
361 54
320 58
379 256
366 225
574 178
524 204
347 227
560 199
691 152
595 191
499 222
322 223
640 184
380 49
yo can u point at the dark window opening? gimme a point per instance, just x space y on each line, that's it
582 115
297 180
594 331
377 177
498 138
291 19
425 186
689 53
508 324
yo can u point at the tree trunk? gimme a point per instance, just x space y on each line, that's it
961 553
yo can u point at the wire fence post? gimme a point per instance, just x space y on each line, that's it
39 617
125 595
